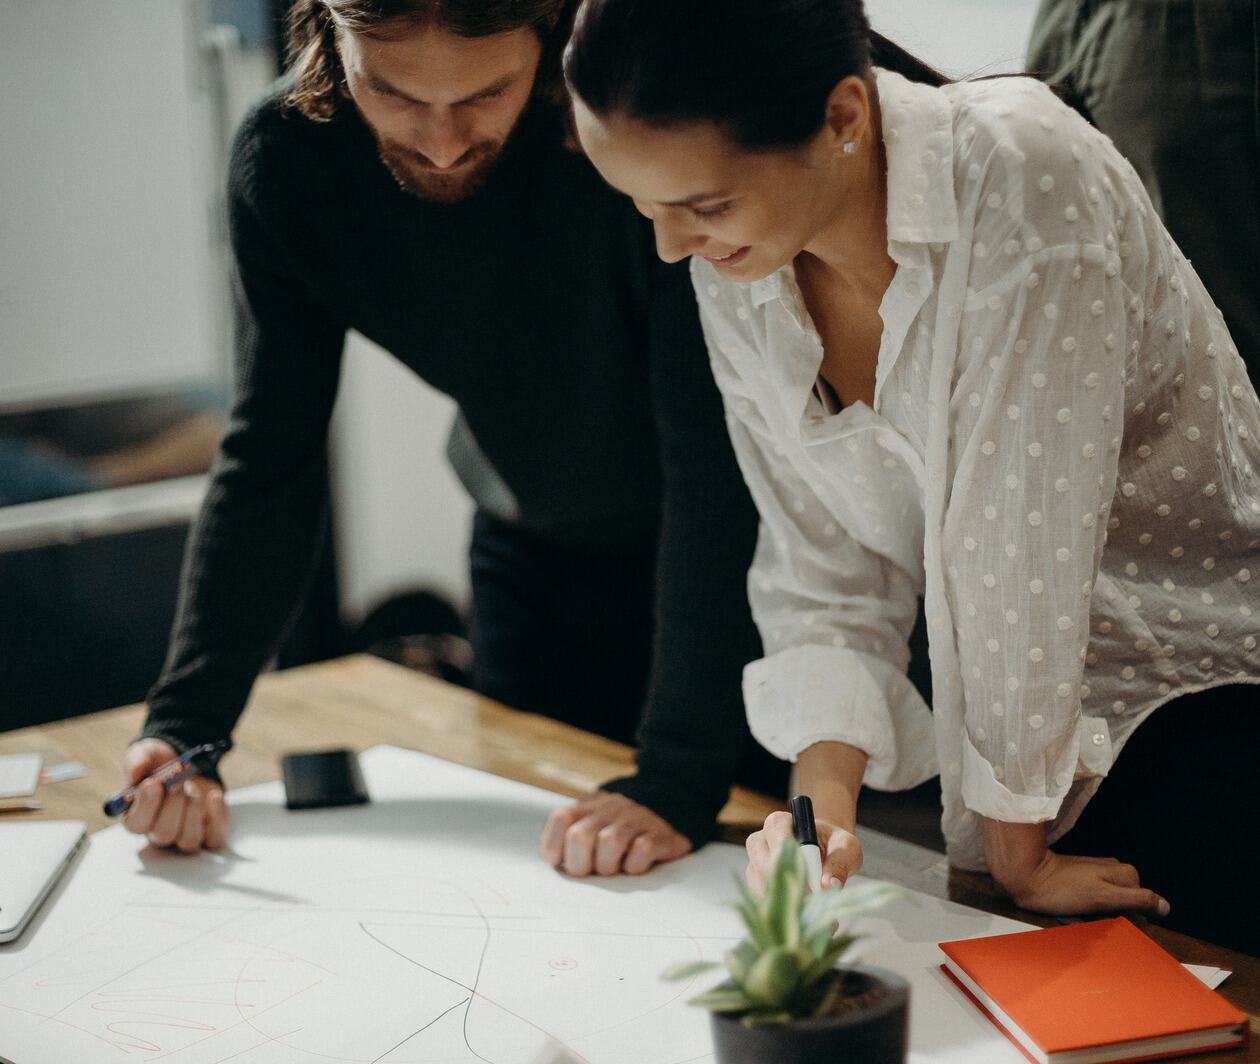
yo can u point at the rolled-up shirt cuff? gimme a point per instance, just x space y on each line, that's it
811 694
984 793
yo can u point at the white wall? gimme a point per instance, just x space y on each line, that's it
107 180
402 518
963 38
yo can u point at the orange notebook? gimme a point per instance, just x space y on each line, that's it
1091 993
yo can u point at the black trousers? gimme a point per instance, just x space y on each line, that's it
1182 805
562 631
568 633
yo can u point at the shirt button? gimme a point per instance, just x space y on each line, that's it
713 290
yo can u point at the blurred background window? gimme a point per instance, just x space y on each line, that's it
115 325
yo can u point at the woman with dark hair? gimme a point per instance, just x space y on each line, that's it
960 358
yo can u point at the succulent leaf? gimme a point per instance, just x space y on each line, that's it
687 969
765 1019
750 912
828 960
773 977
740 959
827 1000
818 941
785 892
835 903
723 999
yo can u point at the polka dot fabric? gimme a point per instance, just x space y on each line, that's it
1061 458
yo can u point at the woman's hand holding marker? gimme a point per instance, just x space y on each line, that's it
839 848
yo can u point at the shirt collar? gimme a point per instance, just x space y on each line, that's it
919 147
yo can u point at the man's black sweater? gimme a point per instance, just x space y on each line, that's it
579 368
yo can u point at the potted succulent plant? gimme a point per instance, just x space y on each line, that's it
786 1001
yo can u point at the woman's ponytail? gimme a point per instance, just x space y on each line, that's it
895 58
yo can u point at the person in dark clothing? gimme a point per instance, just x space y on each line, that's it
1176 85
412 178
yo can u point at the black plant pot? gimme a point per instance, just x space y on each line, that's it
873 1034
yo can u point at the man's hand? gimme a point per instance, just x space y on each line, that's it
841 851
1039 880
192 815
609 833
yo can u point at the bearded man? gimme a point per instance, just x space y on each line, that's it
412 178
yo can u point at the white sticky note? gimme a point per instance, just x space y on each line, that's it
1207 975
67 770
19 774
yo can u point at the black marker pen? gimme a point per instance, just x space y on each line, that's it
807 835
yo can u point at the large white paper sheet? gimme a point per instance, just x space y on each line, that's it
419 929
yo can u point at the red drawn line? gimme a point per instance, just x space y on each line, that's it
63 1023
140 964
244 1022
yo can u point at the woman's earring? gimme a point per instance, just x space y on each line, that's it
848 148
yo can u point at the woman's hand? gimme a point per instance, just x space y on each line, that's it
831 774
841 851
1039 880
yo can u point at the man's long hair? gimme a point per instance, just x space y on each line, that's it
319 84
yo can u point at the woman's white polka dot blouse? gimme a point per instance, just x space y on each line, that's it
1061 458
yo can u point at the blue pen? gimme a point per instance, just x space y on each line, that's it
168 774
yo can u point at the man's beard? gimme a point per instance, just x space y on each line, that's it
413 172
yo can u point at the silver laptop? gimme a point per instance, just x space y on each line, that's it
33 856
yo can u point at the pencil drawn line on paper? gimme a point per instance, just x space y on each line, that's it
473 990
481 961
421 1031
